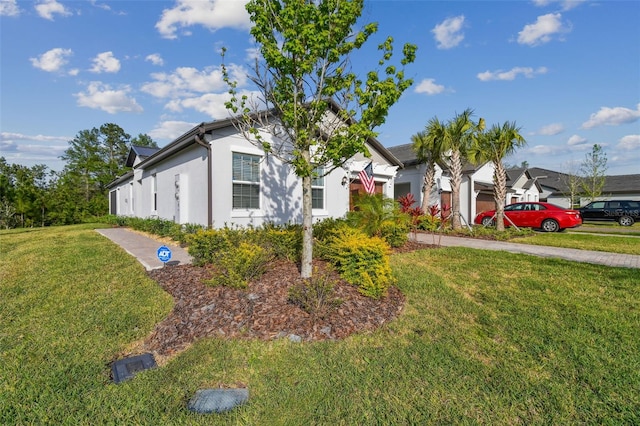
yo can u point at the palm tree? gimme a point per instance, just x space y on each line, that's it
427 145
461 132
494 145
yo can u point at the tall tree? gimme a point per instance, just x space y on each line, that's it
494 145
94 158
427 145
593 171
144 140
304 73
461 132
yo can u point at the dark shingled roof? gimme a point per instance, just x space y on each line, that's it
408 157
615 184
143 152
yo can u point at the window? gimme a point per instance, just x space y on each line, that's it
246 181
401 189
317 188
154 193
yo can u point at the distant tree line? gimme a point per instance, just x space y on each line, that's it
38 196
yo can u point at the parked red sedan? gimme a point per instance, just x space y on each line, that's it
545 216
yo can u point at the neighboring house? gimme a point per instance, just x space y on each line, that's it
522 186
213 176
555 188
476 190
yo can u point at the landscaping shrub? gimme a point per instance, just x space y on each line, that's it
284 241
381 217
315 295
207 245
239 264
324 228
361 260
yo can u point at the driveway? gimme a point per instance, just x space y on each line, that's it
586 256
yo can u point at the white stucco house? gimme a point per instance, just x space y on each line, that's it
213 176
476 190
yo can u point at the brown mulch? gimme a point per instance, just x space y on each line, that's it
262 311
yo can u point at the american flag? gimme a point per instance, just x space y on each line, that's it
366 177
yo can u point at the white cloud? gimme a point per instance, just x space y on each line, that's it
253 53
542 31
33 149
171 129
212 14
449 33
186 81
102 6
629 143
155 59
528 72
9 8
429 87
551 129
565 4
105 62
211 104
52 61
612 117
47 8
101 96
541 150
575 140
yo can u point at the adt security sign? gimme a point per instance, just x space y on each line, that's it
164 254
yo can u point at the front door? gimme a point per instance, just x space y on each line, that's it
356 188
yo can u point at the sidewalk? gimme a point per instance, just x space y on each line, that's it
586 256
145 249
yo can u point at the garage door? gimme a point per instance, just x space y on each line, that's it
485 202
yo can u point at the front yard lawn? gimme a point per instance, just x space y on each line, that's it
609 243
485 337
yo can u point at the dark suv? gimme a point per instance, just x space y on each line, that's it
625 212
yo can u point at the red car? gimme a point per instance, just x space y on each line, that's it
545 216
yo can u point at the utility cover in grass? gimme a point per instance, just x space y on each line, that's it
217 400
126 368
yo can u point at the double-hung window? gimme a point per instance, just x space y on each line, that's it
317 188
246 181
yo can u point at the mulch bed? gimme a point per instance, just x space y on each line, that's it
262 311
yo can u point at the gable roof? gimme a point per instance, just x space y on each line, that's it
189 138
142 152
614 184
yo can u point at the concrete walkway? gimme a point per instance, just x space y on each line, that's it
596 257
145 249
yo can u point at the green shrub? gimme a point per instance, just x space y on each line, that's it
382 217
396 232
207 245
429 223
239 264
361 260
323 229
315 296
284 241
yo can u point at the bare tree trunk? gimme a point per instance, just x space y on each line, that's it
306 269
429 181
499 193
456 181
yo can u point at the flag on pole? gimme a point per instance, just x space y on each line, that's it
366 177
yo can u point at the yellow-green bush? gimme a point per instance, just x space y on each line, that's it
239 264
361 260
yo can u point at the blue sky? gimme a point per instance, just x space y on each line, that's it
567 72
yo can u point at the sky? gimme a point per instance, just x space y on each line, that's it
566 72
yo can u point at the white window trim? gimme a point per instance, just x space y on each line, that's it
246 212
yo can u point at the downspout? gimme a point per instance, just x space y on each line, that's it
199 140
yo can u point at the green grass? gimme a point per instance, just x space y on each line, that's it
524 341
608 243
